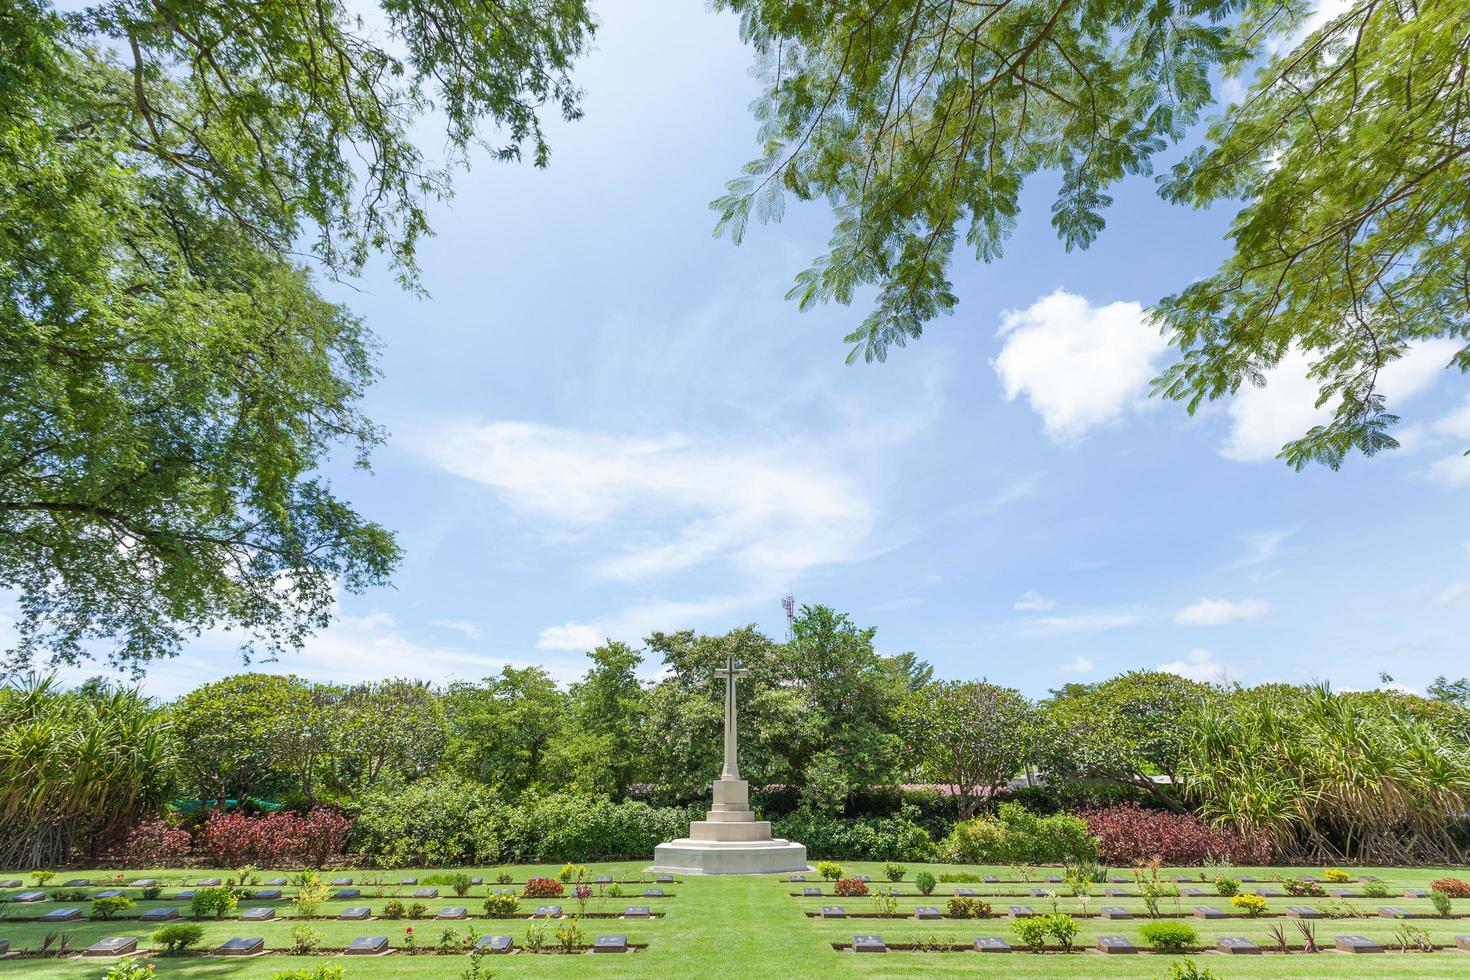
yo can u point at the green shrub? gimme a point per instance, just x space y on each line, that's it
435 821
69 895
151 892
578 828
502 906
322 971
418 910
967 907
924 881
569 935
1189 970
1227 887
962 877
1061 927
857 838
129 970
505 878
1375 889
305 939
218 902
393 909
894 872
1032 931
177 936
1302 888
106 908
1443 904
458 881
830 870
1018 836
1170 937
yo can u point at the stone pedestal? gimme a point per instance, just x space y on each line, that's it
729 841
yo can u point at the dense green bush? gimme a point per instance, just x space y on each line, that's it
1170 937
218 902
178 936
924 881
1018 836
857 839
576 828
435 821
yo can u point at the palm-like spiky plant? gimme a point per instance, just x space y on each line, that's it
76 769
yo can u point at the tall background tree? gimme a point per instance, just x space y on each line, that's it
972 735
1348 155
171 379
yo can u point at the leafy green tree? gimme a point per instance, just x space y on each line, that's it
974 735
233 734
605 720
1130 729
389 728
172 379
498 730
1347 155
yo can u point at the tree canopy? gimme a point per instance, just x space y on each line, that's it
1348 156
172 176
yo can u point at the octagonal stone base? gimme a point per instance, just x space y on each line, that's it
715 857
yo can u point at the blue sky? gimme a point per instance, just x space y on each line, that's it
605 422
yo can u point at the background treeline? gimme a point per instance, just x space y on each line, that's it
855 753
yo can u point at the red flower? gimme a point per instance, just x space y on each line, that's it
409 929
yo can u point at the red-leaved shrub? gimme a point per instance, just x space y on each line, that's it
153 843
850 888
276 840
1126 834
543 888
1453 887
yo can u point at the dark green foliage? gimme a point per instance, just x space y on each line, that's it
857 839
1170 937
178 936
1017 836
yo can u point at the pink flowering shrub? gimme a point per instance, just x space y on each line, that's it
1128 834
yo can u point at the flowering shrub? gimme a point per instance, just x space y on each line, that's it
1336 875
1130 834
850 888
965 907
543 888
1453 887
1302 888
502 906
279 839
1250 905
153 844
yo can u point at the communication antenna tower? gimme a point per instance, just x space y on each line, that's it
789 604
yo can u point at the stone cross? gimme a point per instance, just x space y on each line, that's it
730 673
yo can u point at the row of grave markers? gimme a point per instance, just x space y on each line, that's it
1118 912
361 946
1234 945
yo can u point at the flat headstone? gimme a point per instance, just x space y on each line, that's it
1355 944
1342 893
1369 878
4 946
1394 912
797 878
1462 943
11 883
1246 879
407 881
186 894
344 893
653 893
669 879
453 912
274 881
1192 893
1236 945
989 944
610 944
112 946
863 878
426 893
1054 879
495 944
1021 911
140 883
927 912
546 912
341 881
602 880
159 915
1039 893
1116 912
1115 944
208 883
110 893
1115 893
268 894
257 915
30 897
356 913
636 912
477 882
367 946
242 946
1182 879
1307 878
964 891
1302 912
1208 912
811 892
834 912
76 883
1118 880
868 944
62 915
991 880
1415 893
506 891
1270 892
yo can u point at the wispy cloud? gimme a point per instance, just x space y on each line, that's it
1215 612
1081 665
1199 665
468 627
1260 547
1034 602
1457 594
1087 622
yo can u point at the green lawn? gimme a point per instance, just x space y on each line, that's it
755 927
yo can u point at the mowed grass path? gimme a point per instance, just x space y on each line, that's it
754 927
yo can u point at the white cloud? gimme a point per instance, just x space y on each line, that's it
768 512
1261 547
1454 469
1079 666
1034 602
1265 419
1198 665
1079 365
1456 423
1094 622
1214 612
1454 595
468 627
570 635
